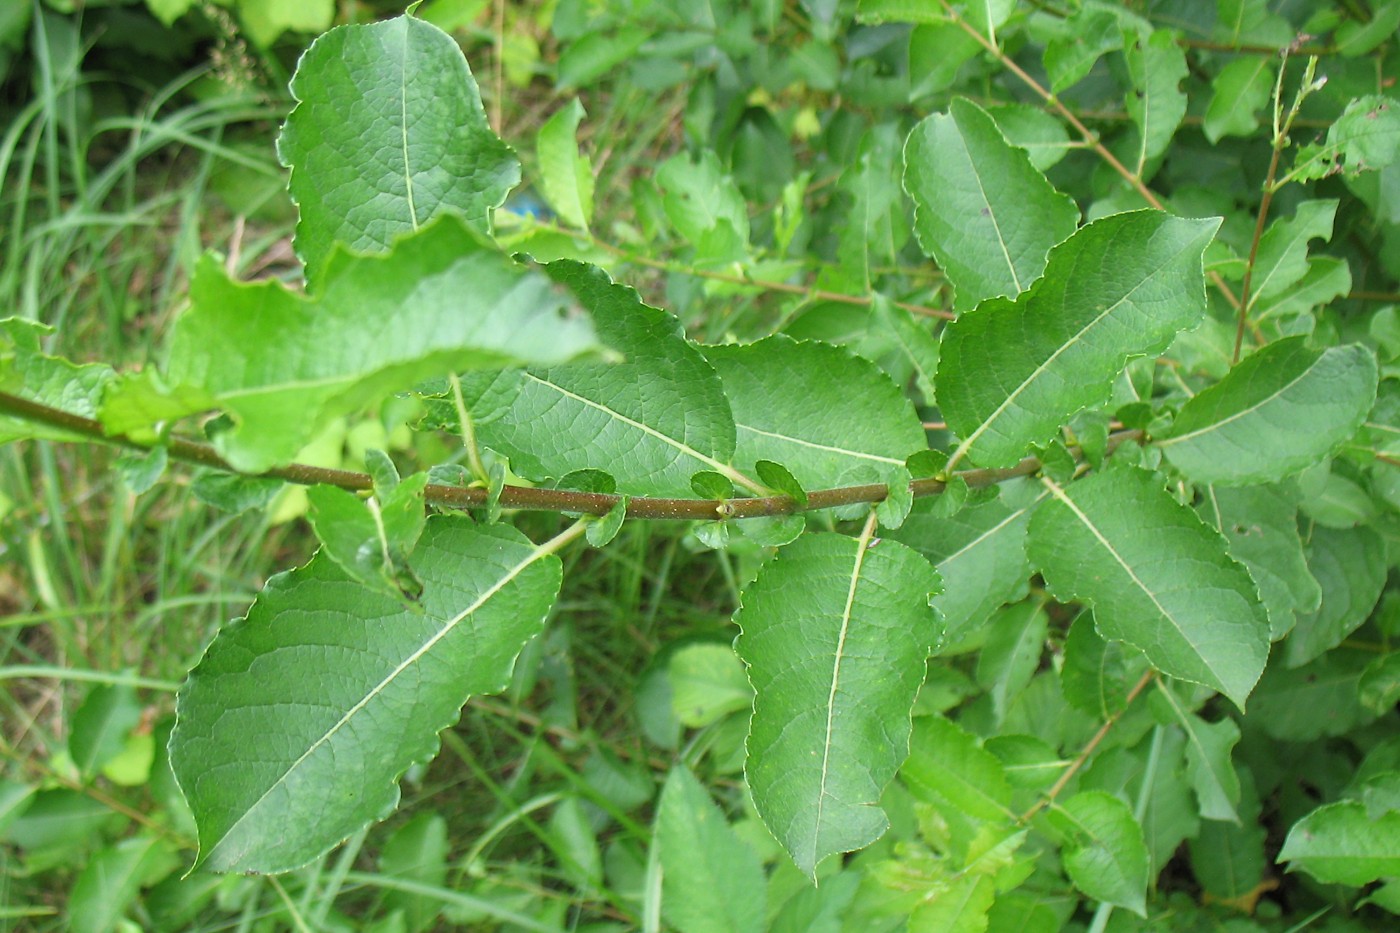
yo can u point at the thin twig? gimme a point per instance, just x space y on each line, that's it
526 497
1073 768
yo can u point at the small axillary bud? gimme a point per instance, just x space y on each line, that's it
725 509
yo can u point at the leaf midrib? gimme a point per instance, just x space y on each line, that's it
1060 494
1073 340
1254 407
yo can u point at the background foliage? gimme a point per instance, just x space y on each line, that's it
900 248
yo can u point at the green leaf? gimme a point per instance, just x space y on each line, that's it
1356 37
1260 525
1156 104
1350 566
1321 698
1156 576
1365 137
325 694
265 20
875 229
1283 249
443 300
707 684
652 421
1097 674
1277 412
836 636
416 852
830 417
112 879
1239 92
711 880
387 134
1085 38
1012 372
1341 843
912 340
1105 856
370 540
781 481
565 174
937 52
1208 766
1011 654
26 371
604 528
980 208
980 554
948 767
1227 858
1041 134
595 54
960 907
101 725
705 206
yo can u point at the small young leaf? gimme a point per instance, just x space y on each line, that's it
1283 249
1278 412
981 209
1157 577
565 174
387 134
777 478
600 531
1091 33
1340 843
325 694
1012 372
1105 856
1011 653
707 484
832 418
1365 137
836 636
711 880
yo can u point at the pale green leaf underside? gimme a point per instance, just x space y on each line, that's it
1278 412
26 371
1156 576
1342 844
443 300
652 421
388 133
295 727
981 209
1012 372
836 637
832 418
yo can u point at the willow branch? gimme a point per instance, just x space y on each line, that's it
524 497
